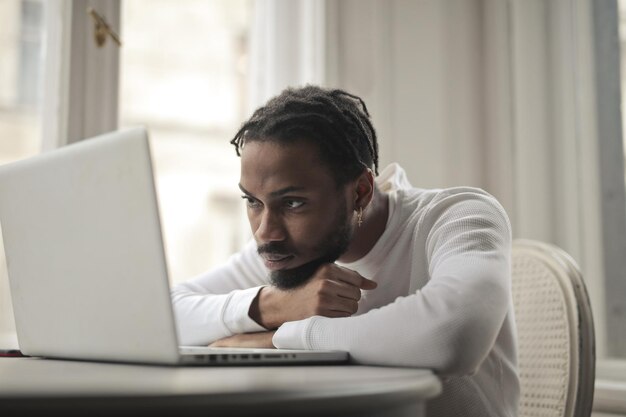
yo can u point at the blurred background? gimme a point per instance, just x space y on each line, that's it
520 97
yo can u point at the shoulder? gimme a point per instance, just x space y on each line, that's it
423 208
443 198
458 206
457 197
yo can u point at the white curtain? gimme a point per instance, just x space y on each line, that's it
287 47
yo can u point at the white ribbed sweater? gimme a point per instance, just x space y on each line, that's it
443 299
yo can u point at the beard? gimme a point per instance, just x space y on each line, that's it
331 248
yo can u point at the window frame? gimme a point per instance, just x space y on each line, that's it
611 156
82 80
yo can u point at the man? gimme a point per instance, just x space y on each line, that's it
393 274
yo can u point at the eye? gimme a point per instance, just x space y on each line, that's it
293 204
251 202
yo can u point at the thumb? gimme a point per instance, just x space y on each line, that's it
368 284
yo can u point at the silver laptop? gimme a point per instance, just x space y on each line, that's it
86 262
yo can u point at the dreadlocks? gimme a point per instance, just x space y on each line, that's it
337 121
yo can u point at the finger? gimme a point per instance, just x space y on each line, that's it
219 343
340 304
334 313
356 280
368 284
346 290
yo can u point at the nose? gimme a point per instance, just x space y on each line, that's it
270 228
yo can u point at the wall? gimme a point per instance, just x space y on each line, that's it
420 67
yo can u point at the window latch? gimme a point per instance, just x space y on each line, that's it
102 29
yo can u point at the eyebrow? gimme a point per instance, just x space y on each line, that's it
277 193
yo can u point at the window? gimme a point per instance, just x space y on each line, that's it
608 18
21 47
22 38
184 75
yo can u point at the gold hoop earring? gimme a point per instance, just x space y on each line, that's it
359 217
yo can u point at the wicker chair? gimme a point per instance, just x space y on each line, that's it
556 342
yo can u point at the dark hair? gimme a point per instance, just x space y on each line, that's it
336 121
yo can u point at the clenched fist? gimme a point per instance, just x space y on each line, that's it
332 291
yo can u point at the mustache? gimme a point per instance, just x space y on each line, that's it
275 248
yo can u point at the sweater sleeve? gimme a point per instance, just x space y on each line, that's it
216 304
451 323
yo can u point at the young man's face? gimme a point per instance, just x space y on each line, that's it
298 214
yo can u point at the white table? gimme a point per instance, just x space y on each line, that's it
30 386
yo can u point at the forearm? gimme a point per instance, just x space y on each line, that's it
215 305
204 318
434 328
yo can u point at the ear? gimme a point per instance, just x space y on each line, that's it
363 189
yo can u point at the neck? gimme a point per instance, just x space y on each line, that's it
373 226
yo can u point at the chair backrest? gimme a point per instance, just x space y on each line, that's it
556 341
